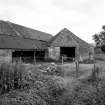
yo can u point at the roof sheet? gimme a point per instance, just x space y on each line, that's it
72 38
63 38
9 28
8 42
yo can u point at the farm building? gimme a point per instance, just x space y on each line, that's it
21 43
23 48
65 43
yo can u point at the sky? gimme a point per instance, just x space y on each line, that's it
83 17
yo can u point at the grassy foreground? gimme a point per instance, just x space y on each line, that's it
57 85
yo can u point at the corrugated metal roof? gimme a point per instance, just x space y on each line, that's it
9 28
8 42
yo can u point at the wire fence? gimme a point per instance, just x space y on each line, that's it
42 59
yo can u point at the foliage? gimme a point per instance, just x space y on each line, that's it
10 76
100 57
22 98
98 50
103 48
37 88
29 86
99 38
85 93
87 61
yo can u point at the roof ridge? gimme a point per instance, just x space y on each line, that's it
72 34
62 33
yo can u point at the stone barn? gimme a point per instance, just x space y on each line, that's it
22 43
67 44
16 48
19 42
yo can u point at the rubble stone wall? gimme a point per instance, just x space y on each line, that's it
5 55
54 53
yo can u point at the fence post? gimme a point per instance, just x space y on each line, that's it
77 67
94 65
20 60
34 58
62 60
94 60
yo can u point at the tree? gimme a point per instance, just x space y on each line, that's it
96 38
99 38
103 48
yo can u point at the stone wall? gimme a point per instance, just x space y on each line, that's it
80 53
5 55
54 53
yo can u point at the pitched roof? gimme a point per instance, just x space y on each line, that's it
14 42
9 28
63 38
67 38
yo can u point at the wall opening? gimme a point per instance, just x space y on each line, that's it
28 56
40 55
67 52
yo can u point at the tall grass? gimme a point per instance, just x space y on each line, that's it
10 76
28 86
49 89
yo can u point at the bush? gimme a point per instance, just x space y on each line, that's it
41 93
22 98
100 57
33 87
87 61
11 76
29 86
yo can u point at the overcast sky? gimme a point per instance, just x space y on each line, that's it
83 17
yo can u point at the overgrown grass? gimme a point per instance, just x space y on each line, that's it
87 61
22 86
37 88
11 76
100 57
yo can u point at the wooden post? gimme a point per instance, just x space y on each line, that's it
94 59
94 66
20 61
34 58
77 67
62 60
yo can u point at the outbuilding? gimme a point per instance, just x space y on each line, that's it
67 44
22 43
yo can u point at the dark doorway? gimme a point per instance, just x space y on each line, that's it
67 52
40 55
28 56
